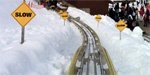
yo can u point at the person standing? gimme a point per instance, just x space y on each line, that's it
133 12
146 18
141 12
122 12
130 22
117 12
112 13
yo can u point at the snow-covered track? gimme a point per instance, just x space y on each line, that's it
85 56
93 57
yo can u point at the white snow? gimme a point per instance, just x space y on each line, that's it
130 55
49 45
138 33
48 48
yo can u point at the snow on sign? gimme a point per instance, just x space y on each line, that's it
23 14
121 25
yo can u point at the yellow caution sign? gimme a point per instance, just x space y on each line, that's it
23 14
65 15
60 12
98 18
121 25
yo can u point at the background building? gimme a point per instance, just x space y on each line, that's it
92 6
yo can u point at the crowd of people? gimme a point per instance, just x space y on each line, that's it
130 13
127 11
48 3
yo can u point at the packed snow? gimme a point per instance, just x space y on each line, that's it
49 45
130 55
48 48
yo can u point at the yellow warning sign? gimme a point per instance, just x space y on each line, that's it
60 12
98 18
121 25
23 14
65 15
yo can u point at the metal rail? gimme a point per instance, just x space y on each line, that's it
90 53
146 38
78 55
98 55
102 55
103 52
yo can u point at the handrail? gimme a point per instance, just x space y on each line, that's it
72 67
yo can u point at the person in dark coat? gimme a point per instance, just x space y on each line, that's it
117 12
130 22
128 11
123 4
112 13
137 3
54 2
117 7
49 3
122 13
133 12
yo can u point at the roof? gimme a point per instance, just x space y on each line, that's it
122 0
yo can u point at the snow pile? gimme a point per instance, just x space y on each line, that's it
130 55
48 48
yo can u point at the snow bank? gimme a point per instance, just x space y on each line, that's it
130 55
48 48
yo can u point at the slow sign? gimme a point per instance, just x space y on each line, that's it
23 15
65 16
98 18
60 12
121 25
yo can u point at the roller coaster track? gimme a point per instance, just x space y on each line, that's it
146 38
91 57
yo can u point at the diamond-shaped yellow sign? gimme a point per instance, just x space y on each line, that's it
23 14
98 18
65 15
121 25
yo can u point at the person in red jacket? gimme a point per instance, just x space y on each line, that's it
141 12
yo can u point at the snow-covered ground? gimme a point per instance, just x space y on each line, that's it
130 55
48 48
50 45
